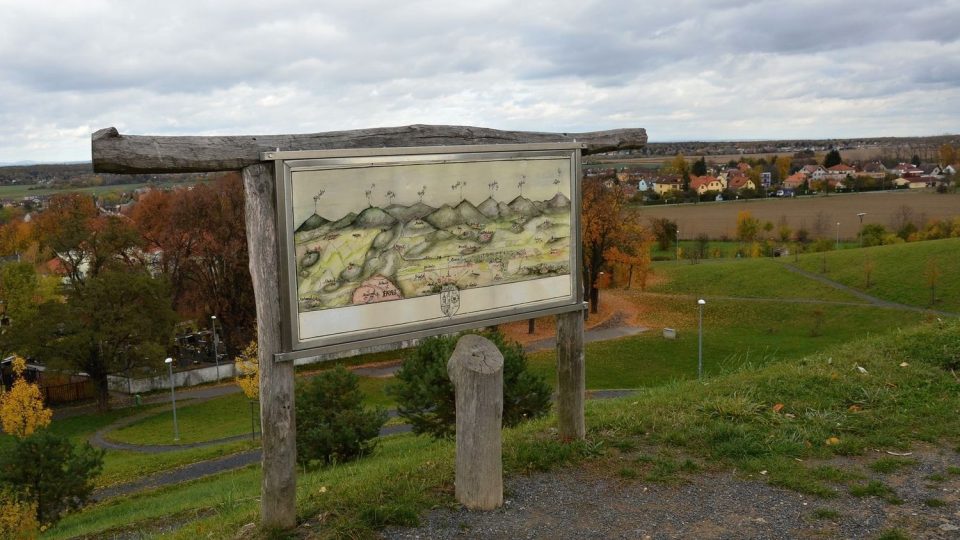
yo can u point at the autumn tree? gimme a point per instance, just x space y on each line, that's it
118 320
18 518
947 154
679 166
782 165
664 231
200 240
602 224
248 368
634 253
748 227
17 238
21 408
83 240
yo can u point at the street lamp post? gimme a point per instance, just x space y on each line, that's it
860 234
678 244
700 303
173 399
216 345
838 235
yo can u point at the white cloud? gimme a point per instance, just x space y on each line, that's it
683 69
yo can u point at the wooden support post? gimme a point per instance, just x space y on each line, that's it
571 387
278 497
476 369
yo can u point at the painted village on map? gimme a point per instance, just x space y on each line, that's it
387 249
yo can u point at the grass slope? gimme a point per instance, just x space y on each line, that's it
749 278
213 419
839 402
737 333
899 271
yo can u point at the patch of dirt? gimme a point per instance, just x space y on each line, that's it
616 309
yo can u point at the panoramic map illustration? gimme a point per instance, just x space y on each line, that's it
379 234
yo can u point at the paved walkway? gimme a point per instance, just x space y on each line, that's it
239 460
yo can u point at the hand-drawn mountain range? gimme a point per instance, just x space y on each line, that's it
464 213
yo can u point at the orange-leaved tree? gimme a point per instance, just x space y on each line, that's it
601 227
633 252
21 408
199 238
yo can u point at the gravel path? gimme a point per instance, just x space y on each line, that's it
579 503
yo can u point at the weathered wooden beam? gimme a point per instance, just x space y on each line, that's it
116 153
278 422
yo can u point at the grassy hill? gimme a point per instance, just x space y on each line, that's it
900 272
787 419
770 336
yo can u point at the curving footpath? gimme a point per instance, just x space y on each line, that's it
239 460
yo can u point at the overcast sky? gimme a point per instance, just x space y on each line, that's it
727 69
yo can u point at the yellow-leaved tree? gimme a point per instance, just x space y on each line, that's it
18 519
248 371
21 409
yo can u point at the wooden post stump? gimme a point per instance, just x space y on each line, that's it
476 369
571 377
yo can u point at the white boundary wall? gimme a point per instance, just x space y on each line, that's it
193 377
190 377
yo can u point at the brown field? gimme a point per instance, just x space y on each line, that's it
818 214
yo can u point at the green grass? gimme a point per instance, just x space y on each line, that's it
935 503
729 422
374 392
217 418
826 513
77 428
875 488
120 467
899 271
891 464
736 334
893 534
752 278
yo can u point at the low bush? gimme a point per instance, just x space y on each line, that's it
425 395
333 425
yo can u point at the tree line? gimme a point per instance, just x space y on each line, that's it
103 293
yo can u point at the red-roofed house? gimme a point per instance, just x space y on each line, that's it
739 182
840 171
907 170
794 181
703 184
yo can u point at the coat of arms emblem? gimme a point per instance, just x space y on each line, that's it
449 300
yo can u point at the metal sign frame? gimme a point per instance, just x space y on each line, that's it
288 164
